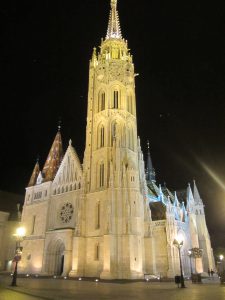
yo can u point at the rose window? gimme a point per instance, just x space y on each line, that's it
66 213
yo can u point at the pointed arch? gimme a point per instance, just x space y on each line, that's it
97 215
101 100
115 98
100 179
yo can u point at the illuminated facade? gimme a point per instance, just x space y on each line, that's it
106 218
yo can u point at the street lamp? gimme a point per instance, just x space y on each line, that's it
190 255
20 233
221 257
179 243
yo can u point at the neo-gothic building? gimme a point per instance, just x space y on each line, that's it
106 218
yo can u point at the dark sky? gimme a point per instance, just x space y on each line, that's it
179 52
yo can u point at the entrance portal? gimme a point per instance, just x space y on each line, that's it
55 258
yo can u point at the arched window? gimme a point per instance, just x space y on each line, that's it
97 220
115 99
102 137
113 132
101 101
101 175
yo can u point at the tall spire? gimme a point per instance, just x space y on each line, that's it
196 195
54 159
34 175
114 31
150 173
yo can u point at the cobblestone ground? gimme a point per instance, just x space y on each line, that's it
57 289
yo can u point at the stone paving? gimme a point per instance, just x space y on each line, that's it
59 289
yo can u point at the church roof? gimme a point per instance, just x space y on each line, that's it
54 159
114 31
197 196
34 176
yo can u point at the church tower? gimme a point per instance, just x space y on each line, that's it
114 204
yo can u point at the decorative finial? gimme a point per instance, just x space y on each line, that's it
59 124
148 144
38 158
70 142
113 3
114 31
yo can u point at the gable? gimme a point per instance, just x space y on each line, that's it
69 175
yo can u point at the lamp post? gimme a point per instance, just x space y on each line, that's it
190 255
20 233
179 245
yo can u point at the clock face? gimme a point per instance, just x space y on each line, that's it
66 213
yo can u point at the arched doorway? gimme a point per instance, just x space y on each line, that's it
55 258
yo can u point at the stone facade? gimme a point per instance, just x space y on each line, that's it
106 218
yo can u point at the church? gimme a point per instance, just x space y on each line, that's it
107 217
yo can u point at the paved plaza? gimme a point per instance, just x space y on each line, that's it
59 289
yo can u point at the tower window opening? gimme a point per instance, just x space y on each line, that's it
115 99
101 177
102 137
101 101
97 216
114 132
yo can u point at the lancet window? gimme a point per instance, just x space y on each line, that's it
116 99
97 223
101 175
101 101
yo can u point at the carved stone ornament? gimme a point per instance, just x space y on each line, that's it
66 213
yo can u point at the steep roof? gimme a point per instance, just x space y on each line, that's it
34 176
114 31
54 159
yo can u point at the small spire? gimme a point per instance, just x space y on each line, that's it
59 124
176 201
34 176
196 195
150 173
114 31
94 57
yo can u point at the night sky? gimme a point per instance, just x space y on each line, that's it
179 52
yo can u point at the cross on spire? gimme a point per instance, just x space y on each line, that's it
114 31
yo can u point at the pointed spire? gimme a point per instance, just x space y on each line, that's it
94 57
197 196
176 201
190 197
150 172
114 31
34 175
54 158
